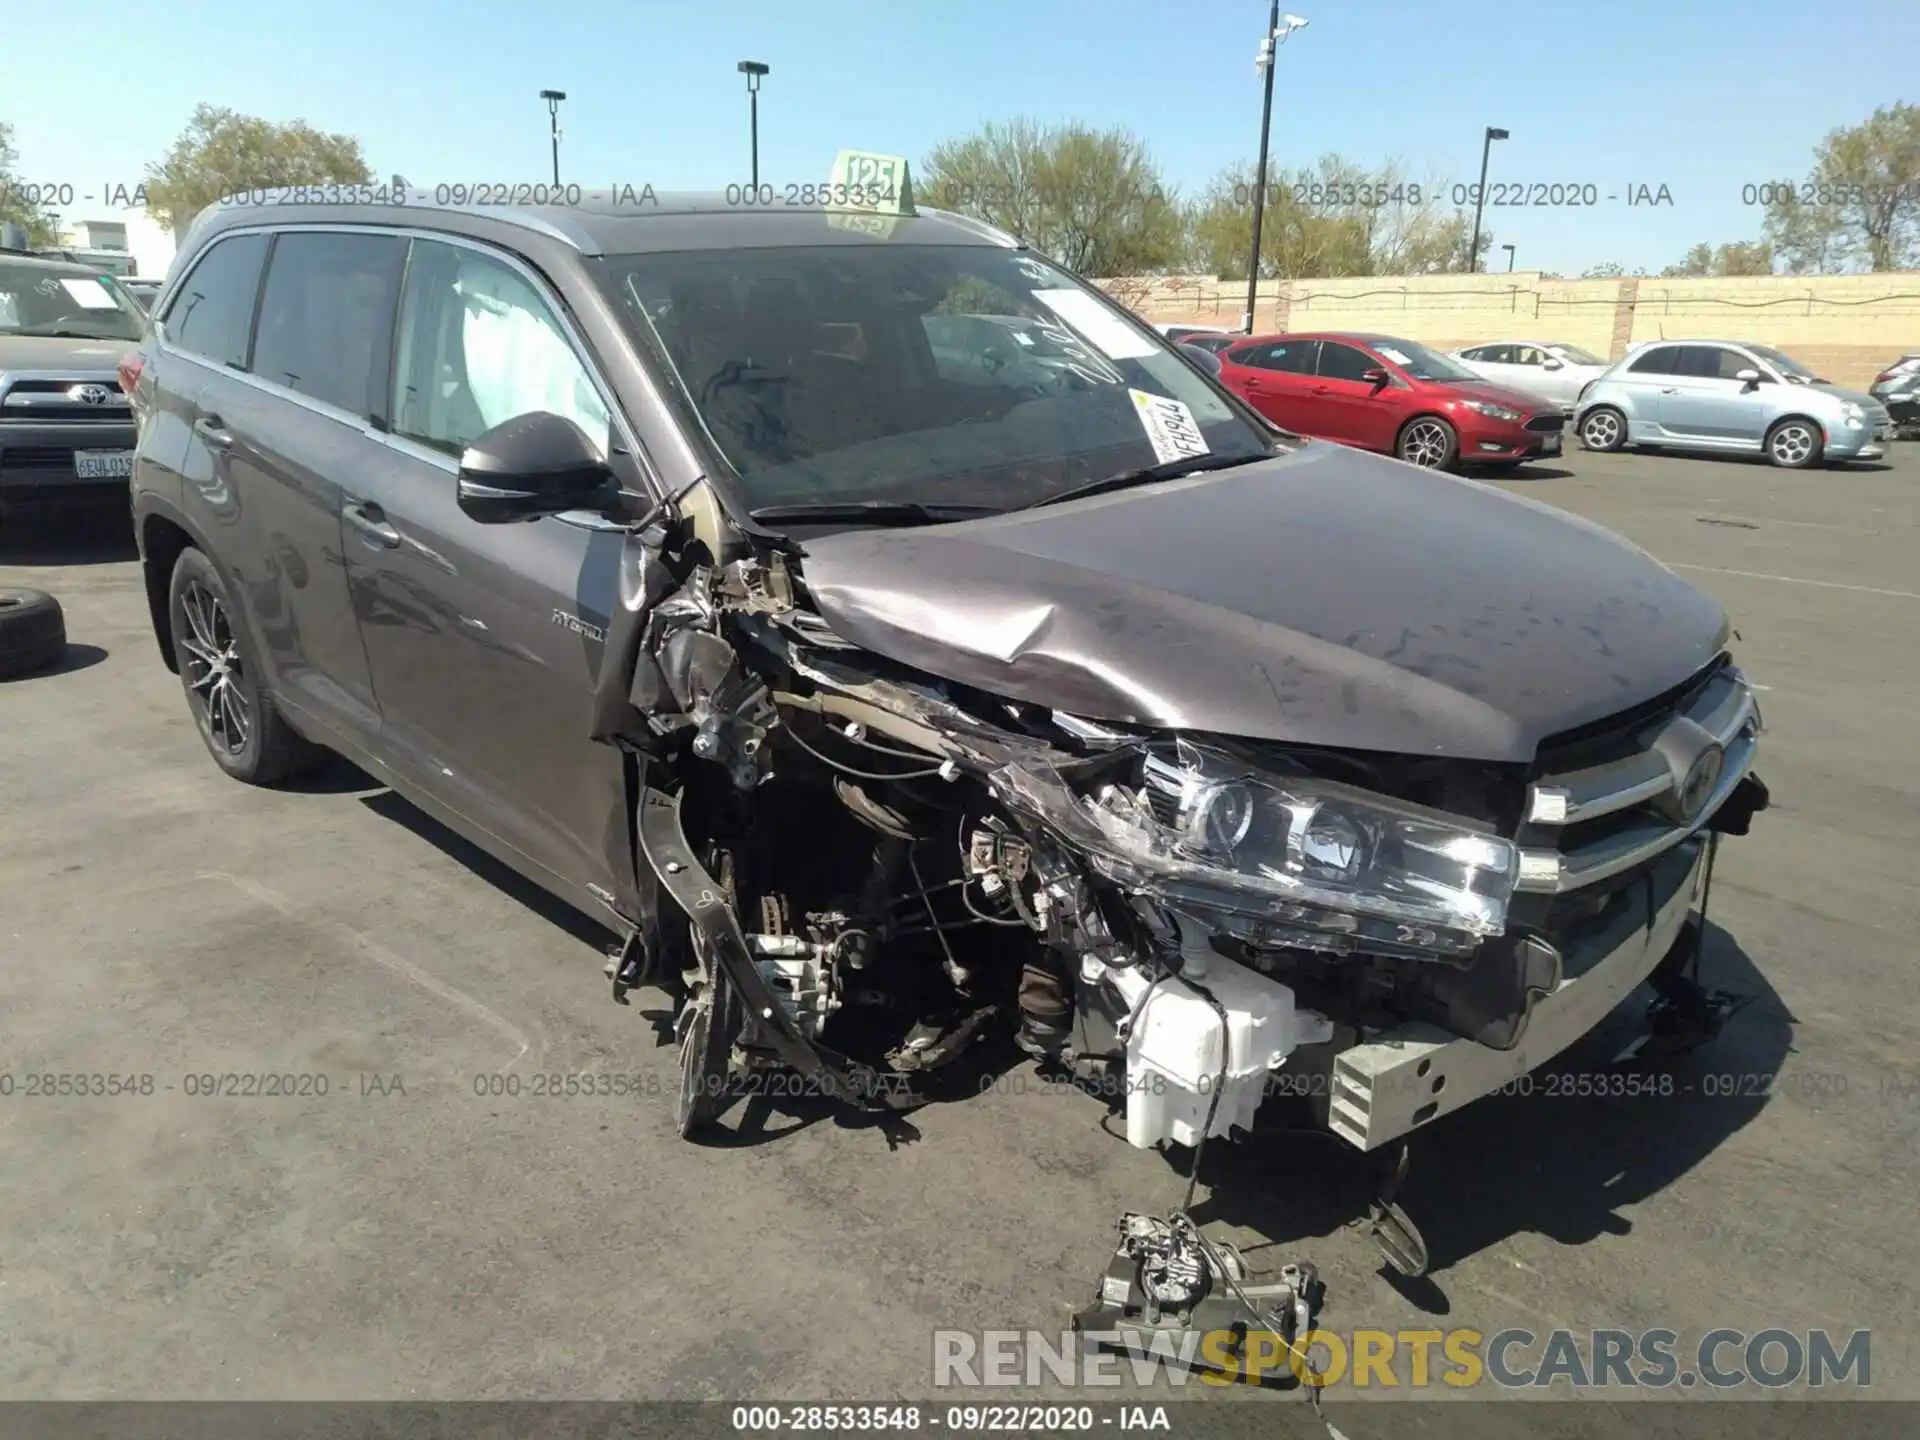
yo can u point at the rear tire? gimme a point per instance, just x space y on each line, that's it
220 672
1603 428
1429 442
1794 444
33 631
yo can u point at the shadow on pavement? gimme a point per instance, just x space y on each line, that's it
97 533
1551 1162
76 657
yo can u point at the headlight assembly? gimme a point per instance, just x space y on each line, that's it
1488 408
1300 861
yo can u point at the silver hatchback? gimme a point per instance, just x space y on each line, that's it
1727 395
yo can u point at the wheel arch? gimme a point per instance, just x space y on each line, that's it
1819 428
163 532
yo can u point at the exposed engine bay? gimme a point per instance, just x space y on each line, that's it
878 869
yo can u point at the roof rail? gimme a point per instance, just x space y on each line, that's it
399 195
978 227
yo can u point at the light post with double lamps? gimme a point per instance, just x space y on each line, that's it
553 99
754 71
1480 196
1277 33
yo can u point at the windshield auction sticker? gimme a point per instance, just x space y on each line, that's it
1107 332
1170 426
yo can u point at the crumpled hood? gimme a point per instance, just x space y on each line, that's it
1324 597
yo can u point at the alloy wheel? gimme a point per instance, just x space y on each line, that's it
1425 443
1601 432
216 676
1792 445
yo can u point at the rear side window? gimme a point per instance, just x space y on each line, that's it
213 308
478 347
1662 360
1295 357
1494 355
326 316
1343 362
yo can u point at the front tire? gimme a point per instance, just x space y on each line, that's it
1794 444
219 670
1603 428
1429 442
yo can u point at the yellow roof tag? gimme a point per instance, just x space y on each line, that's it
871 184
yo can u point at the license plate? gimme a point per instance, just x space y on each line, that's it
1550 445
103 464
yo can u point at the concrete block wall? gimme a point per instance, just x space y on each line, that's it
1847 327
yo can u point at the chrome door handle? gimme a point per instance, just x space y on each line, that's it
371 521
213 430
1670 390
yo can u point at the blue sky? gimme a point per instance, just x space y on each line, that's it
1703 96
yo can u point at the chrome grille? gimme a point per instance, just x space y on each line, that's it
1610 805
68 399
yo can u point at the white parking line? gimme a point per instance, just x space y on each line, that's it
1796 580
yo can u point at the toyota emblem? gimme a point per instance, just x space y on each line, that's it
90 394
1702 777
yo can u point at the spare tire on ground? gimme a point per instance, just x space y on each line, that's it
33 632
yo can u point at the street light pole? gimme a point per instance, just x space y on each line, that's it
1276 36
553 99
1480 196
1509 250
753 70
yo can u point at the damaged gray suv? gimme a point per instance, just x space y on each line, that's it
904 689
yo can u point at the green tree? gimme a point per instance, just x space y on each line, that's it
16 198
1860 204
1091 199
1606 270
1738 257
1335 218
222 151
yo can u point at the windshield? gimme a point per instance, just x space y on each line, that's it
42 300
1422 363
1574 355
1787 365
939 375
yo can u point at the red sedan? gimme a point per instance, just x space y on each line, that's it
1395 396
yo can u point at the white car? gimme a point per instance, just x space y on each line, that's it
1178 333
1545 368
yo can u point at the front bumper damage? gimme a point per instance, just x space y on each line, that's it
1145 987
1400 1079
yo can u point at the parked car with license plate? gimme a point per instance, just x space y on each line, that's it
66 429
1730 396
1548 368
1381 393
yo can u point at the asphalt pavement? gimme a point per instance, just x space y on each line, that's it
418 1232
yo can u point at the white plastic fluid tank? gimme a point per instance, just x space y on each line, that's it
1173 1051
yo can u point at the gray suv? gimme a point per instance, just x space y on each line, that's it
887 703
1725 395
66 429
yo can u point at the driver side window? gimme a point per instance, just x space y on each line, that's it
1528 355
479 346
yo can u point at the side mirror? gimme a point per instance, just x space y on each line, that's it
1553 364
1749 376
532 465
1376 378
1203 357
